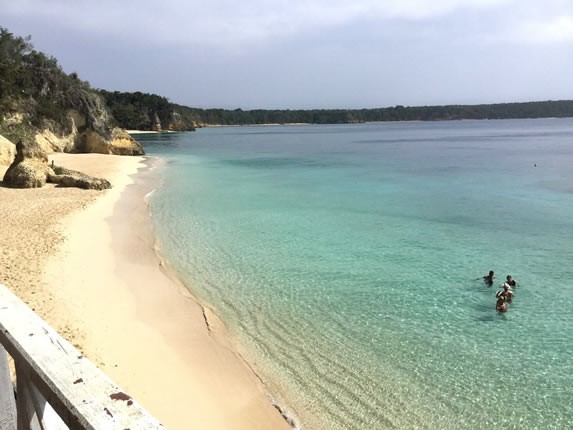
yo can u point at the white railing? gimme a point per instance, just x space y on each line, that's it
56 387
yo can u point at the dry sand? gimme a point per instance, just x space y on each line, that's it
94 276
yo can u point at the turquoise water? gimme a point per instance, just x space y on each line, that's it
344 260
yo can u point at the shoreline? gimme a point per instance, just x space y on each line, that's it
100 283
149 131
214 325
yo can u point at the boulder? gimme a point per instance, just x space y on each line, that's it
71 178
123 144
27 174
30 166
30 169
120 143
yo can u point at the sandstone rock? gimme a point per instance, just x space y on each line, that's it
30 166
27 174
92 141
30 169
50 142
71 178
86 127
7 151
123 144
120 143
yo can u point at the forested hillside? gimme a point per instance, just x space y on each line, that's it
545 109
142 111
33 85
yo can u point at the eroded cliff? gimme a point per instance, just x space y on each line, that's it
60 112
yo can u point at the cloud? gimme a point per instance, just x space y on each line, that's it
555 30
227 23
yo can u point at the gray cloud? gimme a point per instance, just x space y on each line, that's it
312 53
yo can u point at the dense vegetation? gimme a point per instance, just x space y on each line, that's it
142 111
35 85
398 113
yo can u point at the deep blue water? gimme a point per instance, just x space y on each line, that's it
344 261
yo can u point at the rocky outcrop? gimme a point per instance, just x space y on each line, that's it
116 141
7 151
123 144
30 169
94 131
50 142
119 143
177 123
71 178
60 112
85 127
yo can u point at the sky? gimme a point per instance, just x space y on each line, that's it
309 54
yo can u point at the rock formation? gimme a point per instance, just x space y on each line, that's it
62 113
119 142
7 151
86 126
71 178
30 169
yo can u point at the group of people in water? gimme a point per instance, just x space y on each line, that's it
505 294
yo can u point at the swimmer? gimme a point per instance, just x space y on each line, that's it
488 279
510 281
506 293
501 306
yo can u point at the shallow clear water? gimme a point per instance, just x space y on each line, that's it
344 258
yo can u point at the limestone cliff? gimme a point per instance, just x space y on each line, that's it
85 127
143 111
60 112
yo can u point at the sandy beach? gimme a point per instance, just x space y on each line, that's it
85 261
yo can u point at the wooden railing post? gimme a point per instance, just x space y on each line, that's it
57 387
27 416
7 401
34 412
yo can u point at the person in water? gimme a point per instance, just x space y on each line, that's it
510 281
506 292
488 279
501 306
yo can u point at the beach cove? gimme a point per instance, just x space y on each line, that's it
347 264
85 262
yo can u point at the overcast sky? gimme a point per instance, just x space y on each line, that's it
309 53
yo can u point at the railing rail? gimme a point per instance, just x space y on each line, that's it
57 388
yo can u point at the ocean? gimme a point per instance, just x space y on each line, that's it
347 263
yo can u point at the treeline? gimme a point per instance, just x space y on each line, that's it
545 109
